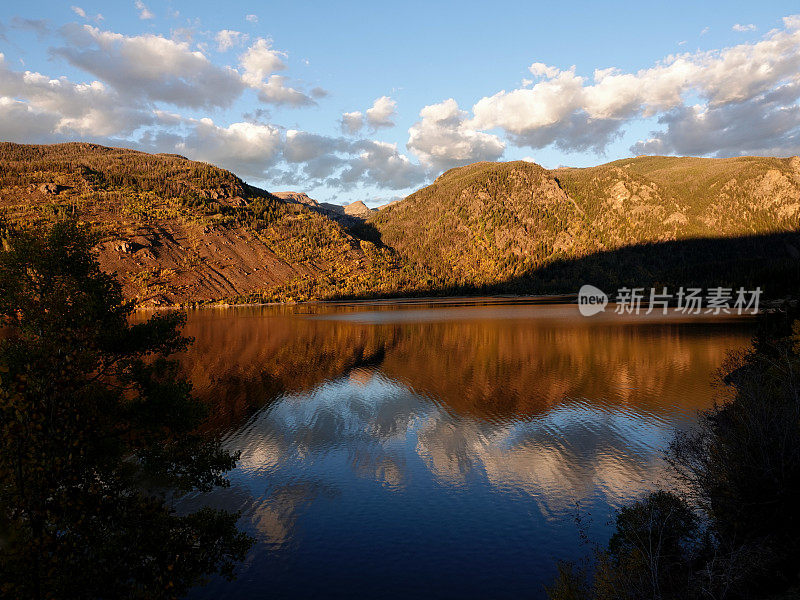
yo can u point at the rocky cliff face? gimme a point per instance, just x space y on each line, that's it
348 215
175 231
297 198
358 209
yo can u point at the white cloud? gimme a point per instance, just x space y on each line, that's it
381 164
345 163
739 27
151 67
352 122
248 149
252 18
22 122
538 69
767 125
442 138
378 116
78 11
275 91
578 113
544 104
67 108
302 146
259 61
381 113
705 30
144 12
227 39
37 108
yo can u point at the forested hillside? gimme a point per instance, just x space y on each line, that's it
176 231
180 231
517 227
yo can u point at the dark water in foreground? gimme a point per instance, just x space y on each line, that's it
396 451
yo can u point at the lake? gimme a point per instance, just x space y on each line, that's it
451 449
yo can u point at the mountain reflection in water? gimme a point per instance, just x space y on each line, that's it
404 450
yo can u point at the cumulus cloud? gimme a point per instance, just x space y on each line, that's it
227 39
559 107
136 73
344 163
275 91
251 18
381 112
260 60
742 99
66 108
379 115
302 146
144 12
151 67
21 122
740 28
381 164
768 124
292 158
443 139
245 148
352 122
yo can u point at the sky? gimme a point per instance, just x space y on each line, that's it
369 101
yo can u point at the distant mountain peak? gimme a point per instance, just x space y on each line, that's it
358 209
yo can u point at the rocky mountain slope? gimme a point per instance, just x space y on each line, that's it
490 223
347 214
178 231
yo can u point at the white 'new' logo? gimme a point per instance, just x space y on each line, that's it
591 300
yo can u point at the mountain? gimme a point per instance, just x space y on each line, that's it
358 209
297 198
349 215
496 226
178 231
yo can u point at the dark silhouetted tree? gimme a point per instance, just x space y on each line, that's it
98 430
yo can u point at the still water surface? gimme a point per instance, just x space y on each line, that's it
439 450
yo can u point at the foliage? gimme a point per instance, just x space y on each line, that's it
96 425
487 228
517 228
737 532
649 555
173 211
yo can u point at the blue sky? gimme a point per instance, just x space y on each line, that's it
262 88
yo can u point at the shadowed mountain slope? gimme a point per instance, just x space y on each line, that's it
490 223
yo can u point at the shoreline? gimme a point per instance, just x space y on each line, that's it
404 300
499 299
